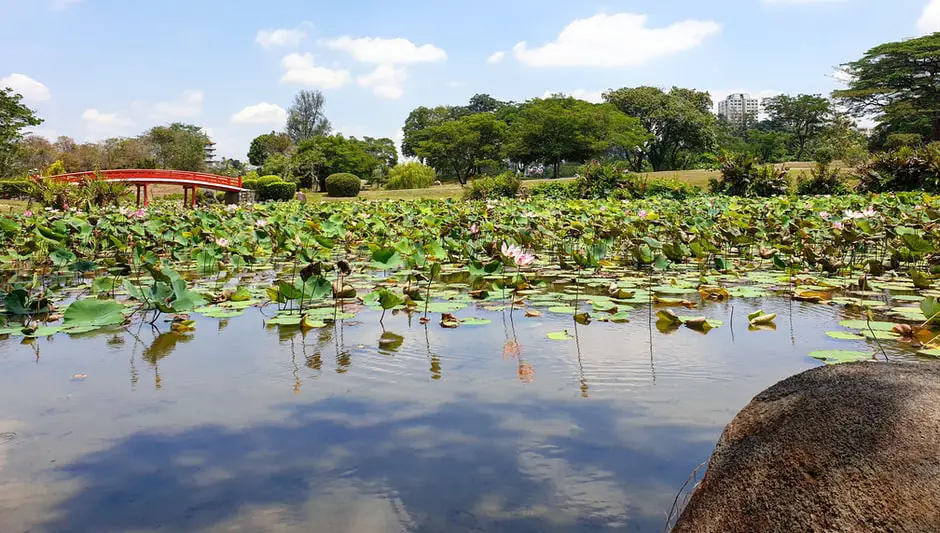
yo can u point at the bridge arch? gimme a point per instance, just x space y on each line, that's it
143 178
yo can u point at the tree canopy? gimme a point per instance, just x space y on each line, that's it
680 121
898 82
803 117
465 145
306 118
267 144
14 118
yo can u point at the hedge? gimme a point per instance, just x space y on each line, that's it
251 184
343 185
266 180
278 191
14 188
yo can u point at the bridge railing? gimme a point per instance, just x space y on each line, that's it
151 174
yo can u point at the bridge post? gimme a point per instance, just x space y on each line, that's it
138 196
146 196
192 201
185 196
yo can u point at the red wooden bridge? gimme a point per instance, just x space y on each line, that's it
143 178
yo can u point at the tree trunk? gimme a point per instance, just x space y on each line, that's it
936 127
557 164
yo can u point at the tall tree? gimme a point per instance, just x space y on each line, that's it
462 147
897 82
335 154
266 145
306 118
560 128
804 117
179 146
14 118
680 121
383 150
417 124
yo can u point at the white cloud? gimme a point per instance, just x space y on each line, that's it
63 4
386 81
300 70
188 105
379 51
929 21
93 116
100 125
31 89
280 37
263 113
615 40
496 58
595 97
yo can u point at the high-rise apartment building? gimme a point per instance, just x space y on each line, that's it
737 107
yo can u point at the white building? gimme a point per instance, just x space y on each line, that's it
736 107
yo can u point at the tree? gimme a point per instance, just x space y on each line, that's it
305 118
803 117
417 124
266 145
897 80
336 154
14 118
178 146
680 121
464 146
383 150
552 130
36 152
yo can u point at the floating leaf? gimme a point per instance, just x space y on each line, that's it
835 357
845 335
475 322
560 336
93 312
861 324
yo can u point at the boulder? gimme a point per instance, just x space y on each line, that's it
839 448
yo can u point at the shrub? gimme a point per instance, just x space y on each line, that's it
267 180
253 175
742 176
14 189
599 181
251 184
824 179
55 169
555 190
904 169
410 176
343 185
673 188
505 185
899 140
278 191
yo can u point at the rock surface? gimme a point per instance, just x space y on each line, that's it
847 448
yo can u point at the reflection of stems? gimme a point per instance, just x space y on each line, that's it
427 297
583 379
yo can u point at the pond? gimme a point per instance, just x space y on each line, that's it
502 366
362 426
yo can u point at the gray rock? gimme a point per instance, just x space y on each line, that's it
847 448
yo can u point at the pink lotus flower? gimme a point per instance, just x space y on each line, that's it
642 213
28 213
524 259
261 223
824 215
140 213
837 225
223 242
510 250
65 207
474 229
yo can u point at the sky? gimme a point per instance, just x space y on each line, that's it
101 68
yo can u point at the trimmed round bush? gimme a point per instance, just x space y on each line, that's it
252 184
343 185
410 176
279 191
266 180
506 185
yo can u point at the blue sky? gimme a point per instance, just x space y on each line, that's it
99 68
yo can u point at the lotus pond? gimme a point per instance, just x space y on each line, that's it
425 366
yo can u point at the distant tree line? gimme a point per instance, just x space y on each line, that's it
647 128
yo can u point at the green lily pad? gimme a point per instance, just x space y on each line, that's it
559 336
93 312
845 335
562 310
285 320
835 357
475 322
863 325
446 307
933 352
